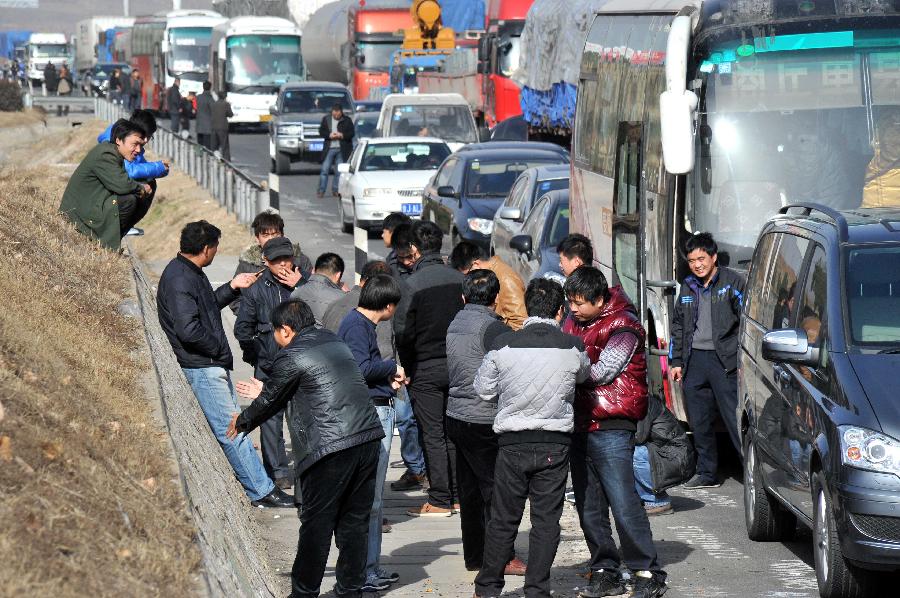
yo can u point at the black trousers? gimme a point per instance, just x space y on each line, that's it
428 393
205 139
133 208
536 472
476 454
338 492
220 143
274 457
709 390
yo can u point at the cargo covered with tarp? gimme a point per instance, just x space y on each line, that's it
552 43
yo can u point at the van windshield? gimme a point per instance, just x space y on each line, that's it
450 123
873 295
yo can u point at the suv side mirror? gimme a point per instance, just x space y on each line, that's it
273 110
522 244
484 134
447 191
509 213
789 345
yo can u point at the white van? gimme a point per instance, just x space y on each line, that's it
446 116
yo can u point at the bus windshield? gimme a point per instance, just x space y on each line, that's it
262 63
809 117
188 51
450 123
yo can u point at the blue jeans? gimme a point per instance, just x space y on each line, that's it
215 393
330 161
643 481
603 480
410 449
373 561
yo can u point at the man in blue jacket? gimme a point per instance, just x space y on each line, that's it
140 169
378 300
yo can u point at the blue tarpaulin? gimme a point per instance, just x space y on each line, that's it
460 15
549 108
10 39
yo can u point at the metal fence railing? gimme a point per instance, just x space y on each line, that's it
232 188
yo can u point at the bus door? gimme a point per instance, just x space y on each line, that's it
627 231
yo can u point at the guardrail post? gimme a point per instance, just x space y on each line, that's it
229 192
274 189
360 250
262 201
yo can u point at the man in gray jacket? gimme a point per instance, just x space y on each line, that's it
203 121
532 374
470 419
324 287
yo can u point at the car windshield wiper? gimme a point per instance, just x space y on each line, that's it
472 194
894 351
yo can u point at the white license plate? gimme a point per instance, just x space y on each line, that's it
411 209
316 147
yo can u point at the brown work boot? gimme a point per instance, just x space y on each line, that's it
408 481
456 507
515 567
429 510
659 510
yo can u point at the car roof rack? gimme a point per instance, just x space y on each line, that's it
808 208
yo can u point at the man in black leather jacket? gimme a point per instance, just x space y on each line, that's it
253 330
337 434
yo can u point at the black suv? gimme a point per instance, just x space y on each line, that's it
817 407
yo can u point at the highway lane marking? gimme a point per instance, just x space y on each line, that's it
696 536
794 574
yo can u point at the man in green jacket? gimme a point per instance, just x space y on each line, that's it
100 198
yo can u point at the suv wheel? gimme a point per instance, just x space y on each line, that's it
835 576
347 227
282 163
766 519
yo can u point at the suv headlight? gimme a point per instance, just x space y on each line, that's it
480 225
292 130
869 450
372 192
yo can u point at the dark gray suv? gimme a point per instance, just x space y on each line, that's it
818 407
296 116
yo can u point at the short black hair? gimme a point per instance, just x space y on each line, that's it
402 238
329 263
380 291
374 268
337 107
464 255
123 128
575 245
543 298
427 236
393 220
481 287
145 120
207 85
703 241
197 235
587 282
295 314
267 221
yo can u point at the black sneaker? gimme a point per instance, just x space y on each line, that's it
276 499
648 587
699 481
375 585
603 583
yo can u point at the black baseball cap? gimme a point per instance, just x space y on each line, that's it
278 247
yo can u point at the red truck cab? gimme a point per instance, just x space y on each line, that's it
377 34
499 54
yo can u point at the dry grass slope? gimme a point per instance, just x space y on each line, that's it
88 502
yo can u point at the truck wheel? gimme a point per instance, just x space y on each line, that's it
835 576
766 519
282 163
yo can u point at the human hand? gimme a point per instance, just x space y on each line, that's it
145 189
400 374
344 287
231 433
249 389
676 374
166 164
242 281
289 277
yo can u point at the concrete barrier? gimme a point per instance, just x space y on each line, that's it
228 536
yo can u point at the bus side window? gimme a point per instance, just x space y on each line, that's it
626 211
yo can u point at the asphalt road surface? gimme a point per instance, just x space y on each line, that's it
703 546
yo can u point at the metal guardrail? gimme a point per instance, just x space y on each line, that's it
232 188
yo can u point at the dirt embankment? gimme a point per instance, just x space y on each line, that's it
88 501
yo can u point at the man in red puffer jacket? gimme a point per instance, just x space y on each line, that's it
607 408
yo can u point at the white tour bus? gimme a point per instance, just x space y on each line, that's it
185 47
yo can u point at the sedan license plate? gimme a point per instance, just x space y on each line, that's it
411 209
317 146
